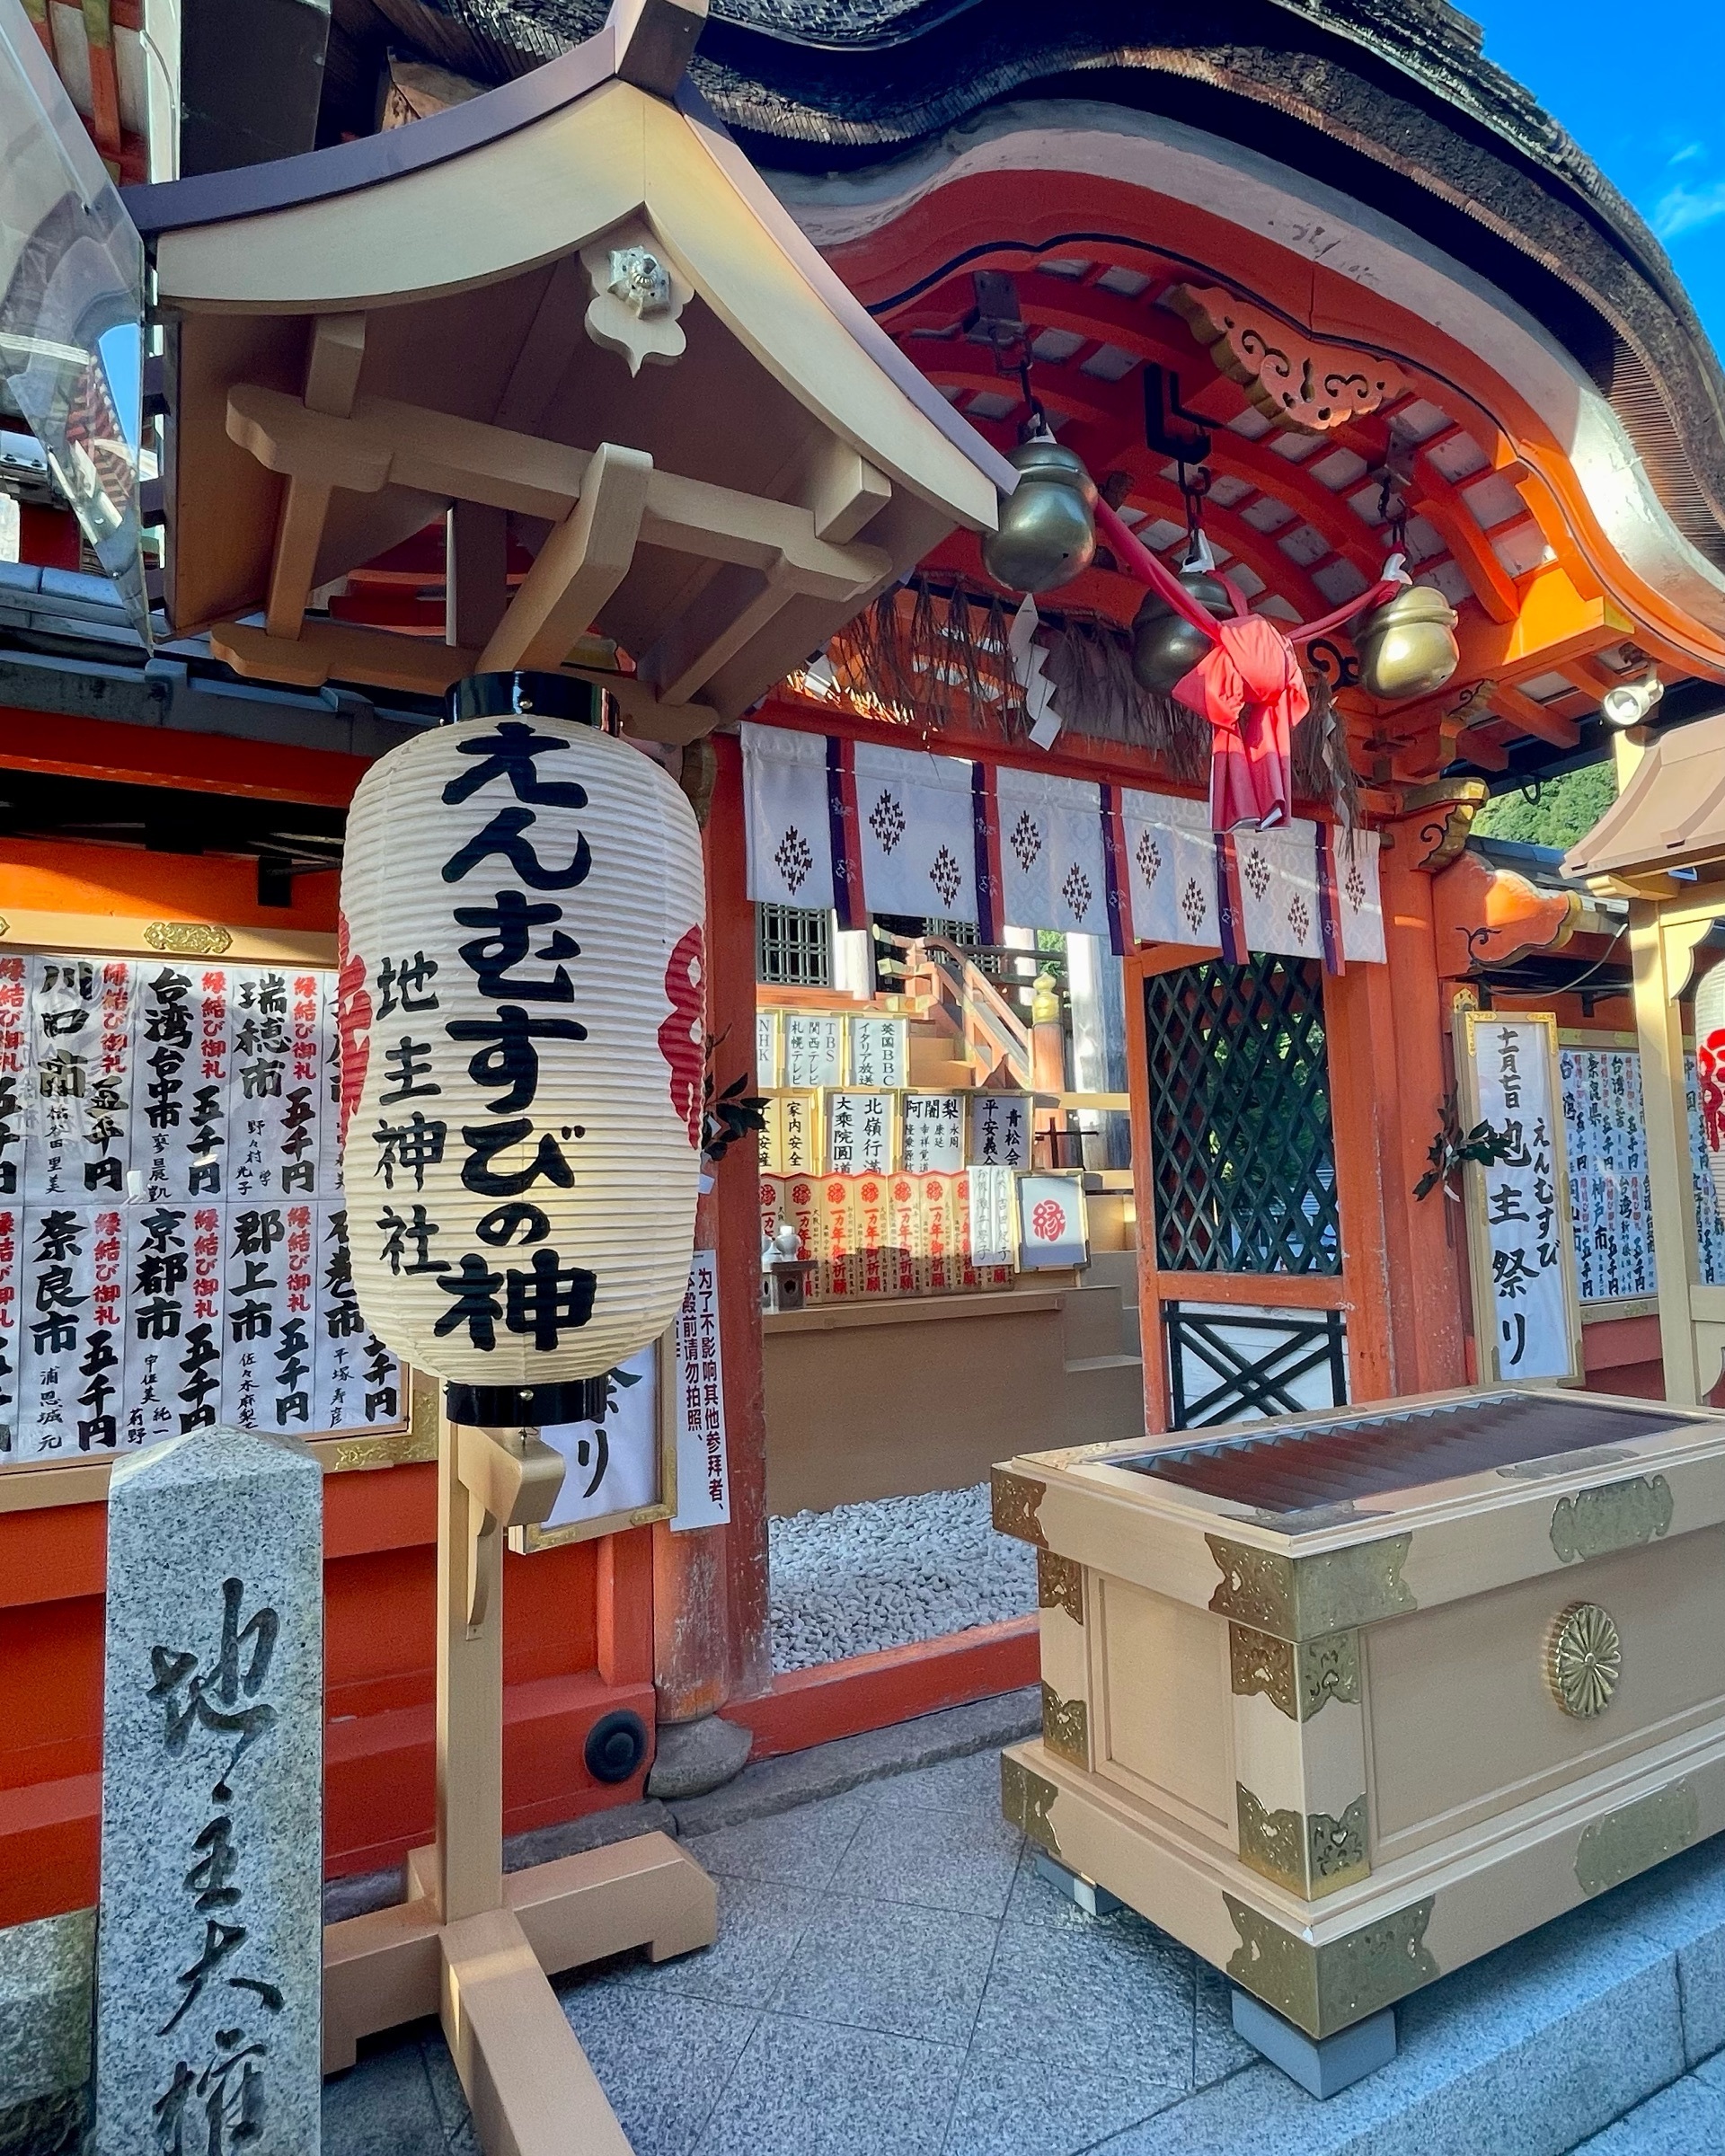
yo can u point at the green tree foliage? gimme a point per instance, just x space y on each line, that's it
1567 807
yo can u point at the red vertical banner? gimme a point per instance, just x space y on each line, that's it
870 1200
12 1226
802 1209
302 1109
101 1358
197 1388
943 1272
839 1235
14 1048
772 1206
904 1236
206 1134
293 1352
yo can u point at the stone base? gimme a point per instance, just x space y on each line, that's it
47 2126
694 1757
1323 2066
47 1979
1084 1894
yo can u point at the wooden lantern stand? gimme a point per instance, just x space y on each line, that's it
472 1944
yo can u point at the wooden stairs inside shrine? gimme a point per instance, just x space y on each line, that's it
963 1031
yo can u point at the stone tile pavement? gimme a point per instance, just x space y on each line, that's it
890 1976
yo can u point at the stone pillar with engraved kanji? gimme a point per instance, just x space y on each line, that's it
209 1938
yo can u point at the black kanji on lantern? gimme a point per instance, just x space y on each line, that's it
506 836
510 753
508 922
509 1058
485 1141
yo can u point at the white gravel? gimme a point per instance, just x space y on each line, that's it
867 1577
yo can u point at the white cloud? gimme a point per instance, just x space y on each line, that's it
1688 154
1686 208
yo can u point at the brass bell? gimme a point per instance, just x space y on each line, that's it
1165 648
1406 647
1047 533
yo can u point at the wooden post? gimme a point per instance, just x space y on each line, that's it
1409 1029
469 1694
1142 966
712 1640
1136 970
468 1943
1385 1029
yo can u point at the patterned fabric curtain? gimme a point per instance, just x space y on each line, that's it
866 828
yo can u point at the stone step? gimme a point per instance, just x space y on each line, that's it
1114 1269
1104 1398
1089 1321
1532 2050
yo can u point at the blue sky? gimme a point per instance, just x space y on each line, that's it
1642 90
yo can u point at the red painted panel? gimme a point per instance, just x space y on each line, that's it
842 1698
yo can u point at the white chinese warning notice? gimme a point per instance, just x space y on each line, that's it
702 1482
1522 1234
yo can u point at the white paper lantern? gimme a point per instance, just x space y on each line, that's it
523 1011
1710 1073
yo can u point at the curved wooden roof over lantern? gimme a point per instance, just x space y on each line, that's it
1323 348
568 314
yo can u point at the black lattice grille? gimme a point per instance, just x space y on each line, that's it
1228 1365
1242 1155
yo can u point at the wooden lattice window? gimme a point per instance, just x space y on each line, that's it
1243 1155
793 946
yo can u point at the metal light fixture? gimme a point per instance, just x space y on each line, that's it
1630 702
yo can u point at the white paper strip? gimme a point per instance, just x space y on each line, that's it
859 1133
934 1134
255 1281
1610 1192
1522 1222
813 1051
994 1216
60 1266
14 1056
767 1047
159 1319
611 1465
80 1053
329 1129
1000 1130
11 1238
272 1107
879 1051
703 1479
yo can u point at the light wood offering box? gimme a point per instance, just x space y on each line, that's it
1344 1700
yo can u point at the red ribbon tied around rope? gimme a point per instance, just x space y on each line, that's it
1248 685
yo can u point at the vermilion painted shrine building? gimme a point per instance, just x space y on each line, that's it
1330 260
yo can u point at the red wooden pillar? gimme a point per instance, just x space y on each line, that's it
711 1639
1386 1030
